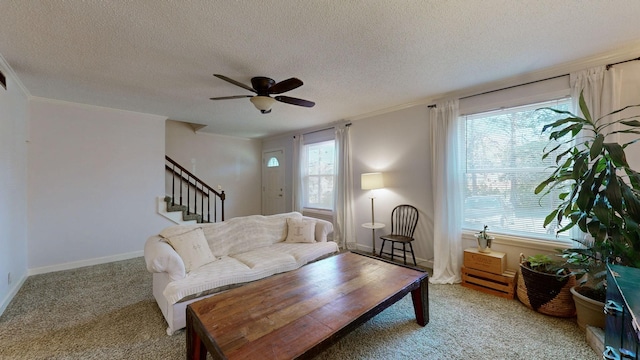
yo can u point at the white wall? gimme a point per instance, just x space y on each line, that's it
395 144
94 175
13 187
234 163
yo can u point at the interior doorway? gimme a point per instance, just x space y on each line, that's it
273 182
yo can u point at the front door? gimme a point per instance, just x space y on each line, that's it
273 182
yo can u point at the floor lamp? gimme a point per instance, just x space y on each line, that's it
372 181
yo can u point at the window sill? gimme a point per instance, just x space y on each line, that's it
521 242
317 211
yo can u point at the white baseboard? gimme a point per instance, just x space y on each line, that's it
421 262
83 263
66 266
12 293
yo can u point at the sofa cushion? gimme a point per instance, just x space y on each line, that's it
218 275
304 252
247 233
300 230
176 230
192 248
211 276
266 258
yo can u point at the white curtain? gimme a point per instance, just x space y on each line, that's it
298 144
601 90
447 179
344 232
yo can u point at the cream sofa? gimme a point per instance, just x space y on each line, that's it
192 262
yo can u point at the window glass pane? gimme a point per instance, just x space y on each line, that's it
273 162
319 174
504 165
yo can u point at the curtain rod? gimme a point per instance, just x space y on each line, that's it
323 129
514 86
505 88
608 66
621 62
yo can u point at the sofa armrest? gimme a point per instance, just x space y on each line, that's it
323 228
161 257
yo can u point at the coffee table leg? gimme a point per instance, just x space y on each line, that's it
420 297
195 346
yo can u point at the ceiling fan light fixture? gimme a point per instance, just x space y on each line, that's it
262 103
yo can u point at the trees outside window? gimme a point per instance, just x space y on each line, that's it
504 165
319 175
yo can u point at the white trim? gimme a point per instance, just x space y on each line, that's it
308 130
94 107
174 216
83 263
525 95
522 242
10 73
12 293
66 266
202 132
427 263
620 54
322 214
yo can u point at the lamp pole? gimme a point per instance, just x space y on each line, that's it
371 181
373 227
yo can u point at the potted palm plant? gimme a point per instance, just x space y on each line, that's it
598 192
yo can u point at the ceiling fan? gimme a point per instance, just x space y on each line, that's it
263 87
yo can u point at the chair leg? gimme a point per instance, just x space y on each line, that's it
413 256
393 249
382 247
404 253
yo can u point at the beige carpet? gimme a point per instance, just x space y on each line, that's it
108 312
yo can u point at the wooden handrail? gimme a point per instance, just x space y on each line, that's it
185 177
218 194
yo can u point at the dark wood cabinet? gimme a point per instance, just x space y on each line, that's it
622 331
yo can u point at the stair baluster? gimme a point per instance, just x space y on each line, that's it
201 189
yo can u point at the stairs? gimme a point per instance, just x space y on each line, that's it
198 202
177 213
186 216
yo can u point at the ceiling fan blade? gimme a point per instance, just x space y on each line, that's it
231 97
285 85
237 83
295 101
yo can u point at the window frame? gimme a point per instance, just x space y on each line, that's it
305 176
531 240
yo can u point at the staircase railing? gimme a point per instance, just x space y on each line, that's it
194 190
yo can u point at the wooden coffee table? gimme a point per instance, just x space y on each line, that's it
298 314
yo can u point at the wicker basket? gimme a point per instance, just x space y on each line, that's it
545 293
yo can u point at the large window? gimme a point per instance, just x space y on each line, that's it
318 167
503 166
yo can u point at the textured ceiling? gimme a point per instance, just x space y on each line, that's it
355 57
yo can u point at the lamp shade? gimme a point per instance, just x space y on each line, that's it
371 181
262 103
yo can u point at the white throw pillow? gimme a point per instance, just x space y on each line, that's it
193 249
300 231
